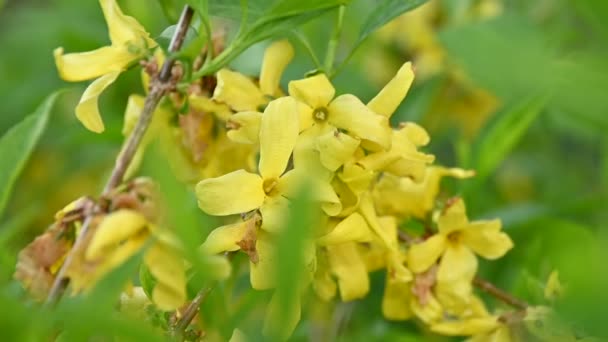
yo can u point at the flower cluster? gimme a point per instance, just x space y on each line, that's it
366 178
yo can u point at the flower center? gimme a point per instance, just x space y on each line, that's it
454 237
269 185
320 114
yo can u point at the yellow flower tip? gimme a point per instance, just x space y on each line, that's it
276 58
315 91
115 228
391 96
554 288
216 196
87 110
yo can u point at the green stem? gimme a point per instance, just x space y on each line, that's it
306 44
333 42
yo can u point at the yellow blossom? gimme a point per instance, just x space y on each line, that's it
455 243
267 191
405 197
243 94
129 42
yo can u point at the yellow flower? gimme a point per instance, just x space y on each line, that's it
242 191
553 289
402 159
129 42
455 243
468 327
336 127
405 197
243 94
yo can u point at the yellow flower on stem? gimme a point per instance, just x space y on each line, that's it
336 126
242 191
241 93
404 197
456 243
129 42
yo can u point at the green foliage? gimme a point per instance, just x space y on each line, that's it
384 12
17 145
503 134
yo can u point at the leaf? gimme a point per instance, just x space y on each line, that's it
17 145
146 279
504 133
383 13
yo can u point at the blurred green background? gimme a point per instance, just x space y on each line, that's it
515 89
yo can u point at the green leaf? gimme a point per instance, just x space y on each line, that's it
17 145
146 279
383 13
504 133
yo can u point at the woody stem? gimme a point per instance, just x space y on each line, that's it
189 314
158 88
502 295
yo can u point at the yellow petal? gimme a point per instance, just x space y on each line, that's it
276 58
83 66
336 148
315 91
486 239
421 256
238 91
430 312
396 299
244 127
323 284
466 327
274 213
262 274
454 217
553 289
349 113
233 193
279 323
456 271
207 105
123 28
278 133
415 133
168 269
348 266
351 229
115 228
292 182
87 110
389 98
225 238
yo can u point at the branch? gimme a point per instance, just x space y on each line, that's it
189 313
158 89
502 295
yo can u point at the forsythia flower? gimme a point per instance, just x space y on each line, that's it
242 94
455 243
130 42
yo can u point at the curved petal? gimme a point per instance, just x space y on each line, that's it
276 58
274 213
336 148
225 238
87 110
429 312
315 91
233 193
486 239
123 28
293 181
456 271
349 113
244 127
396 300
262 274
168 269
353 228
82 66
278 133
466 327
454 216
389 98
238 91
348 266
421 256
114 229
207 105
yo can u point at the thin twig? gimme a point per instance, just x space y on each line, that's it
190 313
159 87
502 295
